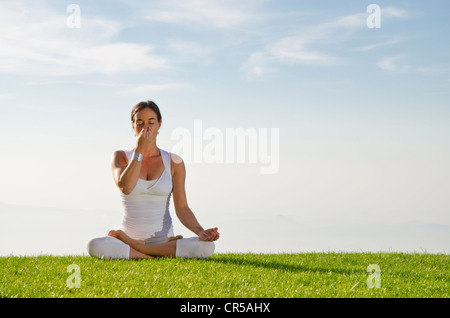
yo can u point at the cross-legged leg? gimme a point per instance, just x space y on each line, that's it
136 254
166 249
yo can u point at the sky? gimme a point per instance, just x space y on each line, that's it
343 107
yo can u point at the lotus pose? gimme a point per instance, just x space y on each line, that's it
146 177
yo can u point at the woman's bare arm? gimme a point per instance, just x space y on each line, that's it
126 174
183 212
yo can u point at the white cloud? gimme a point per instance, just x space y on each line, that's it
399 64
187 51
300 47
296 50
36 41
392 63
377 45
287 51
209 13
151 89
392 12
257 65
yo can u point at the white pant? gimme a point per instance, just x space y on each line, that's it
109 247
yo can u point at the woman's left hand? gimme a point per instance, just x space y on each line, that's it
209 235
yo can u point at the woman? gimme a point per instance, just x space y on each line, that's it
147 176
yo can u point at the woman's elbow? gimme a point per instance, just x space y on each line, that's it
124 189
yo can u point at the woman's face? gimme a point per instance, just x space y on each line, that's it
144 119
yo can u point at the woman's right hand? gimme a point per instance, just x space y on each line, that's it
144 140
209 235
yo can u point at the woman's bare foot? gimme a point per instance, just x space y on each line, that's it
134 253
163 249
174 238
121 235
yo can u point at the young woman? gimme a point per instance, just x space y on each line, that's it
147 176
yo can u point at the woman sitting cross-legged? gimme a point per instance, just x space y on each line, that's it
147 177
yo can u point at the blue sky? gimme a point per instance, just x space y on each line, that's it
362 113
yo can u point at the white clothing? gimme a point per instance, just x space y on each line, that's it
147 217
146 208
194 247
108 247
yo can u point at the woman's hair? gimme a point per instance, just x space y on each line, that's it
146 104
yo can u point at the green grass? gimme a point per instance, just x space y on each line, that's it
335 275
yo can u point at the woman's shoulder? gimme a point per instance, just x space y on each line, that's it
175 158
176 164
122 154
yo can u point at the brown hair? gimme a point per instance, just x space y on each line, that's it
146 104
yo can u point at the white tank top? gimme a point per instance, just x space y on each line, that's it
146 208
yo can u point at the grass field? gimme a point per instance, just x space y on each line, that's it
336 275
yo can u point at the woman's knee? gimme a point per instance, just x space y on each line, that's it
108 247
194 247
